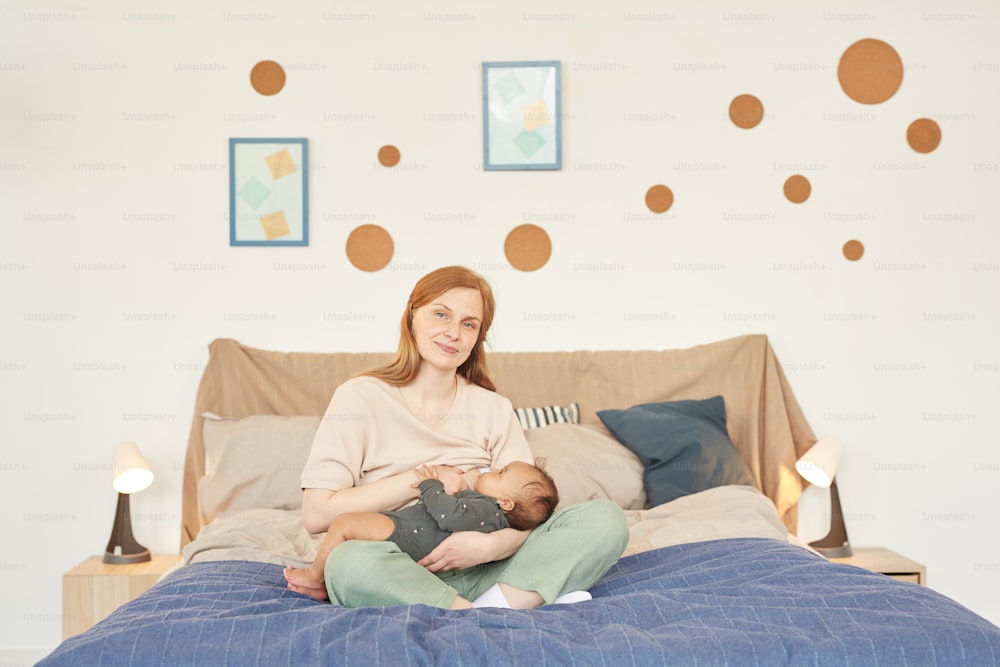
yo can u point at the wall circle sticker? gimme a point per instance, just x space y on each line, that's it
388 156
659 199
797 189
527 247
746 111
923 135
369 248
267 77
870 71
854 250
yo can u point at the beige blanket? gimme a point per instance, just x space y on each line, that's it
714 514
277 536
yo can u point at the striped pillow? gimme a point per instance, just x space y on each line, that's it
551 414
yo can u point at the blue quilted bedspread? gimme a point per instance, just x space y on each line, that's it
733 601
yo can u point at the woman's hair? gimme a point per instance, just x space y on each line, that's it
403 367
536 502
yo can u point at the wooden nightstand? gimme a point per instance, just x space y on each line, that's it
93 589
888 562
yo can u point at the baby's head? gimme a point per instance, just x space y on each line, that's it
525 492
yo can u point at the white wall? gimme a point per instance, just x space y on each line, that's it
116 269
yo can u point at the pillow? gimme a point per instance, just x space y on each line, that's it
551 414
683 445
586 462
253 463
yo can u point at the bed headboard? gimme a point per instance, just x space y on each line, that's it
764 419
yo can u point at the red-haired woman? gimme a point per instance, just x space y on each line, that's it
434 403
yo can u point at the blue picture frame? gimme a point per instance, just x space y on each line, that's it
268 191
522 115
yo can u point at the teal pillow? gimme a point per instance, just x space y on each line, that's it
683 445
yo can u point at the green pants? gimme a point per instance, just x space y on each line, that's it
569 552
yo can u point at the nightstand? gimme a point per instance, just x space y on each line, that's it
93 589
886 561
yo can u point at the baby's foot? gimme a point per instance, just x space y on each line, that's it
301 580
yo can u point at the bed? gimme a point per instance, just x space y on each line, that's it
713 573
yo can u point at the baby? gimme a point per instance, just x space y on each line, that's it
520 496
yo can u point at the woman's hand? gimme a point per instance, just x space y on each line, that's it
468 548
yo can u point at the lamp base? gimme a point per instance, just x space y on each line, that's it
835 544
843 551
125 559
122 547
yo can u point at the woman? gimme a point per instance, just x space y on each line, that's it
435 403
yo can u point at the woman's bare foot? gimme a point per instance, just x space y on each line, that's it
302 580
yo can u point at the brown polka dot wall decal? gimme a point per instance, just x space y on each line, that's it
388 156
923 135
797 189
870 71
746 111
854 250
527 247
267 77
659 199
369 247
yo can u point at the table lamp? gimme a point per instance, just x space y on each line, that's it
819 466
131 474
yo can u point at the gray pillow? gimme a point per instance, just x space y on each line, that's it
586 462
254 463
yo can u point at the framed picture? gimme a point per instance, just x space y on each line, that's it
268 192
522 115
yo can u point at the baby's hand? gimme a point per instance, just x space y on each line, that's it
450 476
425 472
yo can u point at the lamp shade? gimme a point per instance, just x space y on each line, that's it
131 472
819 465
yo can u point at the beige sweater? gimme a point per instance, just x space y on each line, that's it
368 434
